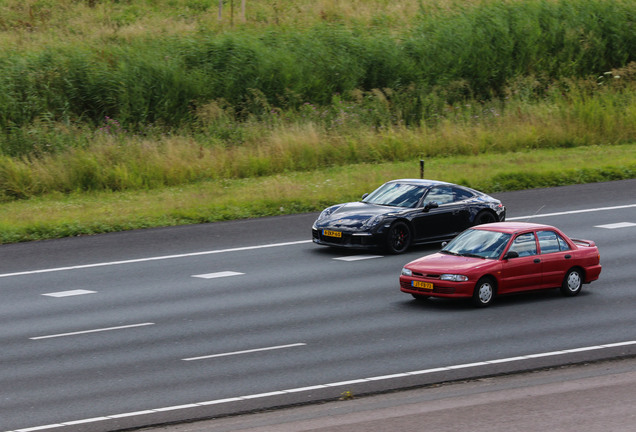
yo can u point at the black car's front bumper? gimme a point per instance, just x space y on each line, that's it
359 240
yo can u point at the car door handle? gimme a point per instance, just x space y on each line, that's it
537 260
568 256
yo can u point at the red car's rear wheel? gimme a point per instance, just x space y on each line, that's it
572 282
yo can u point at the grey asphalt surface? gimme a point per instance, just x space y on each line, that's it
341 321
591 397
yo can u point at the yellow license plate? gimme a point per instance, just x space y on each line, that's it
422 285
332 233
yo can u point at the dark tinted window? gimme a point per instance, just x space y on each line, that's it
524 245
396 194
549 241
462 194
440 195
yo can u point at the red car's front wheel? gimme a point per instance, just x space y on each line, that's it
484 292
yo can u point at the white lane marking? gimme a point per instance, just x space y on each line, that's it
217 275
358 257
572 212
69 293
239 249
92 331
158 258
245 351
329 385
617 225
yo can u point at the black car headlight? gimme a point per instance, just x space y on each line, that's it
373 221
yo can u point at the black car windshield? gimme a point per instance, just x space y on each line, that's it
477 243
396 194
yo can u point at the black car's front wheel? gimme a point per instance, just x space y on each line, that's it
398 238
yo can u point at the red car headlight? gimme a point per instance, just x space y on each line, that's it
454 277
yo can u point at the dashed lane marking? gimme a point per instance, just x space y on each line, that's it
245 351
358 257
218 275
617 225
69 293
92 331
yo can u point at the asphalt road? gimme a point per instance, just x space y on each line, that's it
592 397
131 329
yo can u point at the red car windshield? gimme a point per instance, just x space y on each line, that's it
477 243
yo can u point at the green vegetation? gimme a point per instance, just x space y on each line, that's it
127 114
57 215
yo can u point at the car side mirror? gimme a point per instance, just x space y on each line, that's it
365 195
511 254
430 205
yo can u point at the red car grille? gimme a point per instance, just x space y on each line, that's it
444 290
427 276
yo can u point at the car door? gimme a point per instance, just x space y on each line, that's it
555 257
440 222
461 211
523 271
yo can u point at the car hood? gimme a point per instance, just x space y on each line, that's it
355 214
439 263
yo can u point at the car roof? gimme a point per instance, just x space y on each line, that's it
513 227
421 182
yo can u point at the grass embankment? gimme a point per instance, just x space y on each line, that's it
58 215
107 123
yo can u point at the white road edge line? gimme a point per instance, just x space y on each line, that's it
92 331
113 263
335 384
239 249
573 212
244 351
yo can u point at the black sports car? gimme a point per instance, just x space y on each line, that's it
401 213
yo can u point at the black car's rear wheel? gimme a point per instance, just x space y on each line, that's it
484 217
398 238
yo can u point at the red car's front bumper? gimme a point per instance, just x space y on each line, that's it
440 288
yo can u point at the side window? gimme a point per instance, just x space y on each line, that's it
549 241
562 243
524 245
461 194
440 194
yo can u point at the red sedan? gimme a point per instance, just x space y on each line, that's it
503 258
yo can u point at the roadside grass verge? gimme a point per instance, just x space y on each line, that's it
58 215
588 113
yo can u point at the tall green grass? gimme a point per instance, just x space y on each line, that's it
60 215
444 56
578 113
